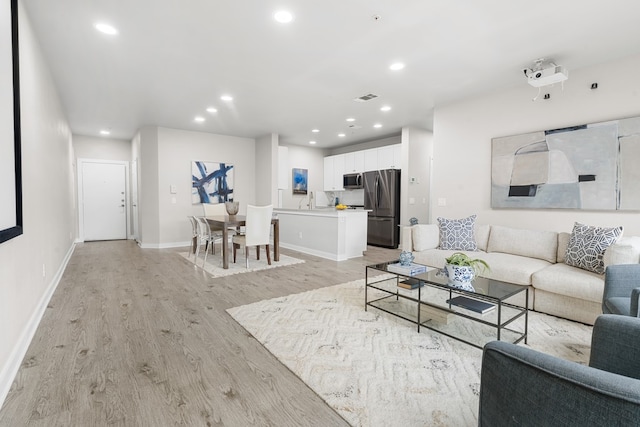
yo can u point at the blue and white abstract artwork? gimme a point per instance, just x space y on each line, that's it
211 182
299 181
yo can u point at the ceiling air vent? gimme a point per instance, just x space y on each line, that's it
365 98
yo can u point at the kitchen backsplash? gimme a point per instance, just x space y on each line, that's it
347 197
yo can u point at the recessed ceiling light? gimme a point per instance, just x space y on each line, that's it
283 17
377 125
212 110
106 28
385 108
105 132
199 119
396 66
315 130
351 119
226 98
312 142
341 135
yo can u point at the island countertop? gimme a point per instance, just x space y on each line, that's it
333 212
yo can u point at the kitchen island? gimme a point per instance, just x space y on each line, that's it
328 233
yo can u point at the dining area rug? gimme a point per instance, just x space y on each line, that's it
377 370
213 266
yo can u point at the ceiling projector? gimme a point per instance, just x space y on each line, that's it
547 75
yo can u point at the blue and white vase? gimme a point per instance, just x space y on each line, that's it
406 258
460 276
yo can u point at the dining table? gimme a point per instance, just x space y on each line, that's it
226 222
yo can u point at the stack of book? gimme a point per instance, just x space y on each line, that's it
410 284
472 304
407 270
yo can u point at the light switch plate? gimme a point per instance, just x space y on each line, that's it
173 189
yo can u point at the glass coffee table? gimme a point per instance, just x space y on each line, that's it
476 317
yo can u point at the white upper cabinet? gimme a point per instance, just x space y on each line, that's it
333 172
389 157
371 160
354 162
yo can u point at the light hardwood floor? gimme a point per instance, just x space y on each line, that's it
136 337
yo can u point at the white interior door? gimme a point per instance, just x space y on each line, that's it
104 210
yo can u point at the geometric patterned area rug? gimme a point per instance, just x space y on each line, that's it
375 369
214 263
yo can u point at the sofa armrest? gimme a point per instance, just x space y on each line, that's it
615 346
406 240
521 386
620 280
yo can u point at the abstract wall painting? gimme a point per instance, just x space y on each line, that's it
11 221
591 167
299 181
211 182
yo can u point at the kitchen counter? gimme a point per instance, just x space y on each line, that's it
325 232
318 211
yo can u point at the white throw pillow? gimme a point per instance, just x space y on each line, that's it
424 236
458 234
587 245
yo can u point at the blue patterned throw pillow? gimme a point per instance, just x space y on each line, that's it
458 234
587 245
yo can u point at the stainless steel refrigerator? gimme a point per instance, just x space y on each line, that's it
382 198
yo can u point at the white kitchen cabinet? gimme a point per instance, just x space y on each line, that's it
371 159
333 172
354 162
389 157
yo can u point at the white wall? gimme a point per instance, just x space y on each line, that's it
92 147
417 151
165 160
266 173
463 133
308 158
48 206
382 142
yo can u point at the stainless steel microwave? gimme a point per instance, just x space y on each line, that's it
352 180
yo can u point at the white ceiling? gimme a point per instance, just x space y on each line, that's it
172 59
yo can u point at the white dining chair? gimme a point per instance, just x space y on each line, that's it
218 209
257 232
195 237
208 237
214 209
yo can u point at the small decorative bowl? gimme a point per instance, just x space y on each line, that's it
232 207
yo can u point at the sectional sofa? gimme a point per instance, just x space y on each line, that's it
536 259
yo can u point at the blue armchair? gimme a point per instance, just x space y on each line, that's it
621 289
523 387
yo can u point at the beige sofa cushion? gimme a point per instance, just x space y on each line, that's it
425 236
482 236
505 267
527 243
625 251
563 243
570 281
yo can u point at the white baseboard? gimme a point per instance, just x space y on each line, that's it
164 245
10 370
321 254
